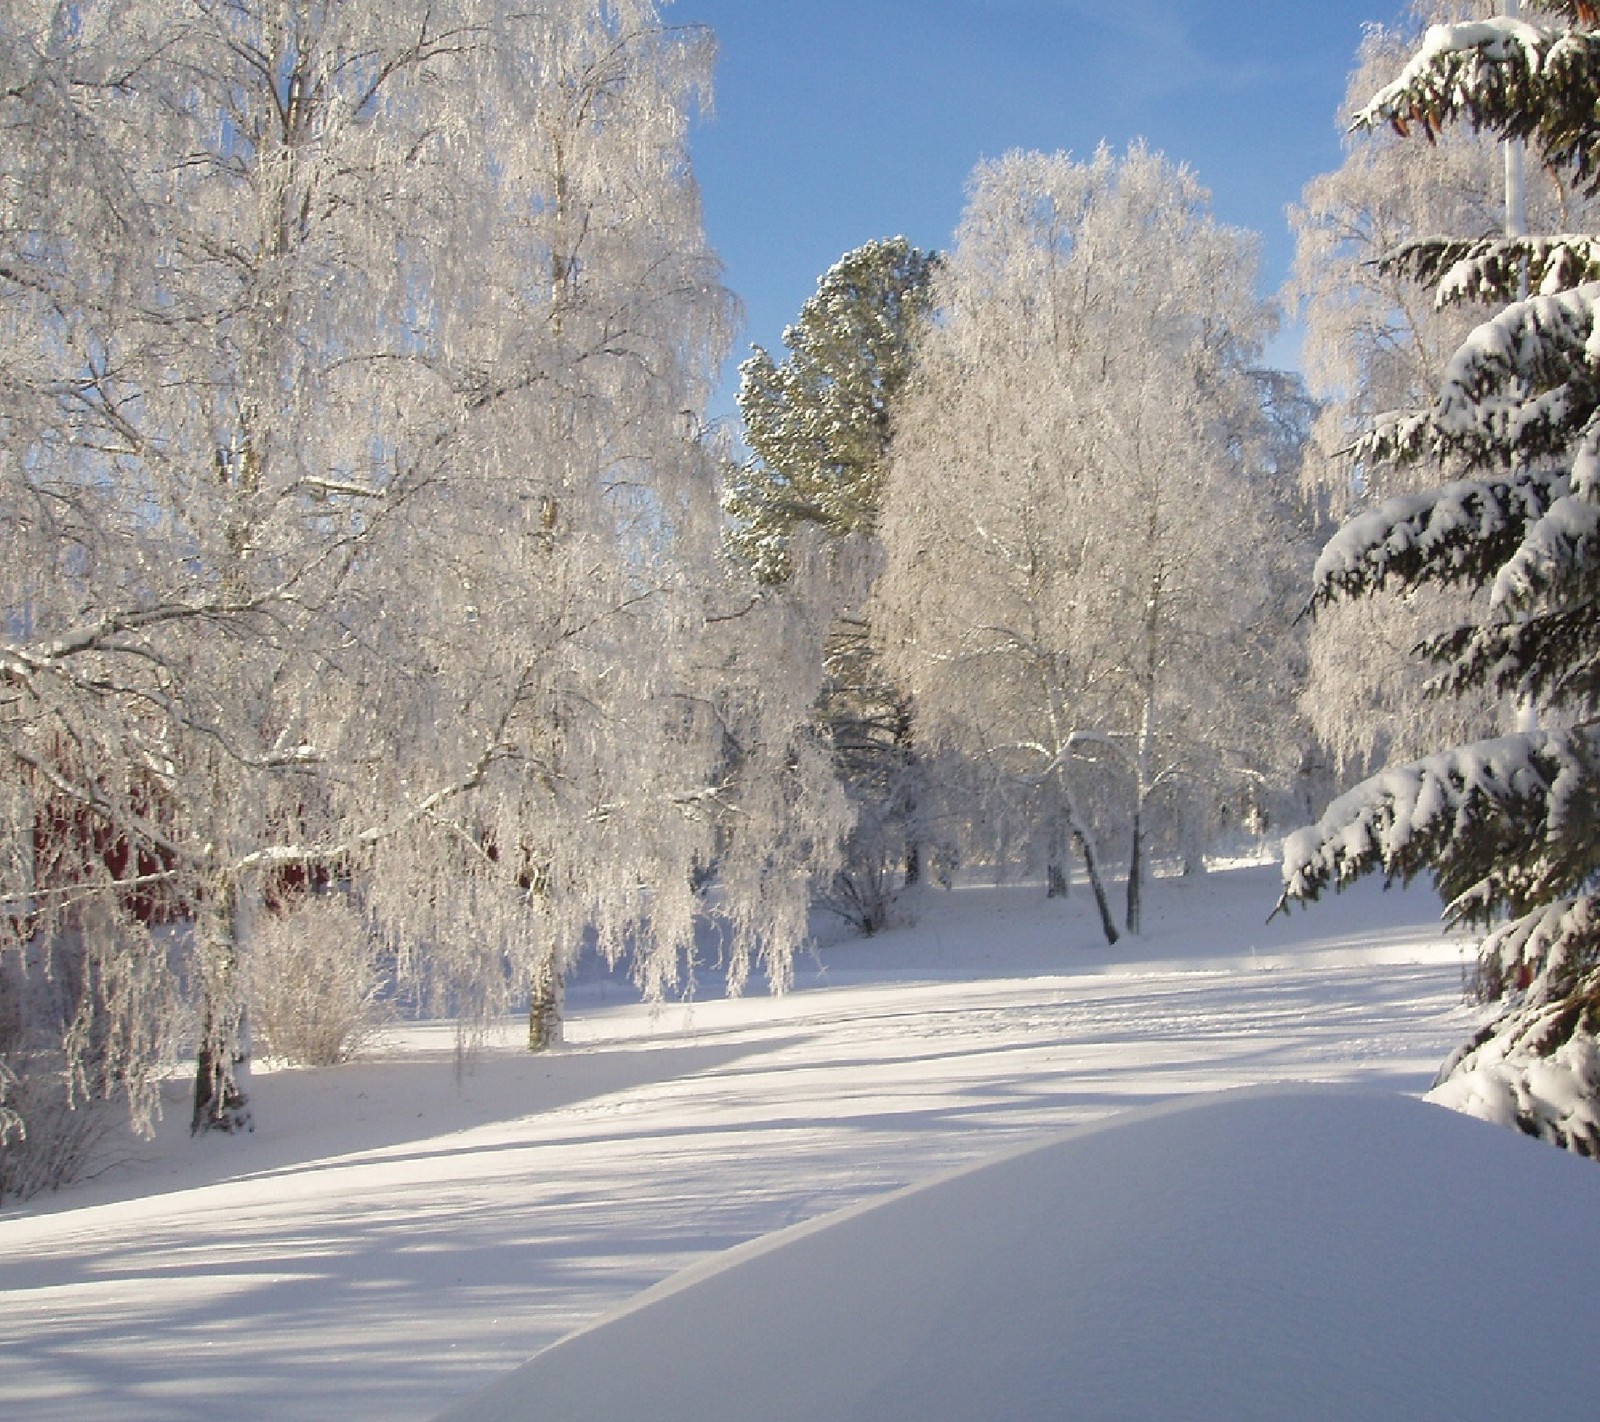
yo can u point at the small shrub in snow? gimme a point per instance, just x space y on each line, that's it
863 894
317 977
49 1131
48 1138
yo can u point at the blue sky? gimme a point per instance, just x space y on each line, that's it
838 121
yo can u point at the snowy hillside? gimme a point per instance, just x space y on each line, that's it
394 1237
1286 1252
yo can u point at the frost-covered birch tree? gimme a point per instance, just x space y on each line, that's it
357 533
1069 495
1504 825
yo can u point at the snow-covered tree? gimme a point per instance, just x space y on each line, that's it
1505 825
1070 491
819 427
818 421
1377 341
357 535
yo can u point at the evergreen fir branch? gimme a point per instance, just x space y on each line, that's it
1551 660
1556 560
1502 824
1522 387
1510 77
1462 533
1493 269
1545 951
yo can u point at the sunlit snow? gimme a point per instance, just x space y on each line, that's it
395 1238
1310 1253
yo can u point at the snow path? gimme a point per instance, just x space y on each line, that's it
392 1237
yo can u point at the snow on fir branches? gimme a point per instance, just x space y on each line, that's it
1533 81
1516 390
1500 825
1506 825
1496 268
1455 534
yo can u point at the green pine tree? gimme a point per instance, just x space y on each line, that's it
818 422
818 425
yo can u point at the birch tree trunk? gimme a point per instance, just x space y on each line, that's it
1083 840
1091 867
222 1051
1143 745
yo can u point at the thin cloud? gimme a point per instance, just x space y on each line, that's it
1159 49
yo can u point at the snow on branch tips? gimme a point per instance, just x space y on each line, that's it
1446 535
1565 931
1506 796
1452 58
1518 79
1545 346
1516 390
1481 269
1559 552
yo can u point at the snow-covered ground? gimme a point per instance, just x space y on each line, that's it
396 1235
1314 1253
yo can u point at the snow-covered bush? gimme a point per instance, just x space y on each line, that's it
51 1124
317 980
863 893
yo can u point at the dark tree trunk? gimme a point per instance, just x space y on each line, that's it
220 1101
1058 866
1092 869
1136 873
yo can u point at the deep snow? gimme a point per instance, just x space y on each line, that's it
1312 1253
394 1236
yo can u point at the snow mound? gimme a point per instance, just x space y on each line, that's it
1272 1253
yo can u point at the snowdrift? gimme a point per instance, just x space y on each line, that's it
1274 1253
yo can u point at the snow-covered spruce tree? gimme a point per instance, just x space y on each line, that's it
356 530
1506 826
1377 341
1082 425
819 426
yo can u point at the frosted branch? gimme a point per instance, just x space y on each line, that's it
1487 818
1448 535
